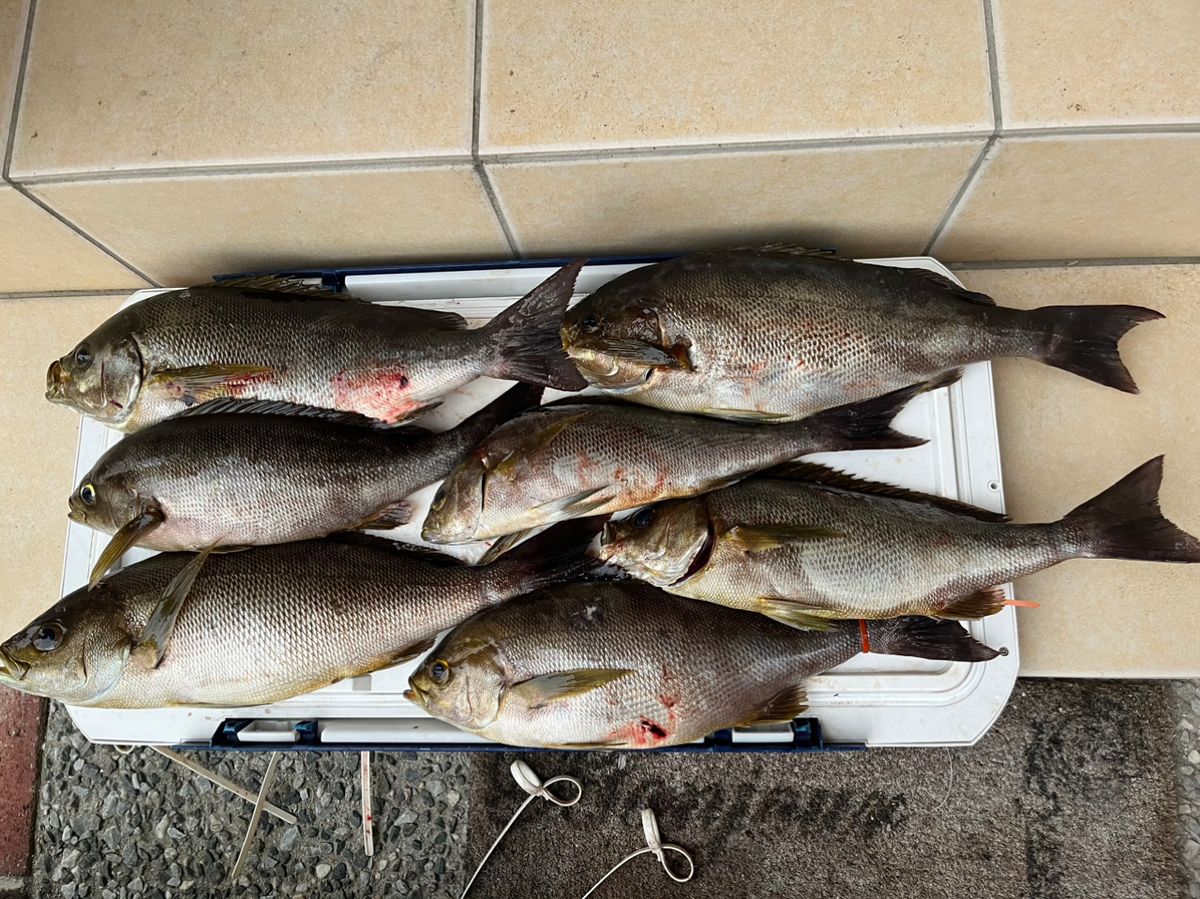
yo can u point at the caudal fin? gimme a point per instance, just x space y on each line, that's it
1083 340
866 425
1124 522
525 340
927 638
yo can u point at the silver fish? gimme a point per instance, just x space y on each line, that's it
579 457
260 625
825 546
777 333
273 339
625 666
236 473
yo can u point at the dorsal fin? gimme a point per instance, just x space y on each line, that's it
425 554
933 279
240 406
831 477
281 284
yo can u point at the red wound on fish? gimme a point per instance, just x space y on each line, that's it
379 393
642 732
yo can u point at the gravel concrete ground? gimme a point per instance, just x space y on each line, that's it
135 826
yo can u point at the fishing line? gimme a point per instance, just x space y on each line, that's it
655 845
528 781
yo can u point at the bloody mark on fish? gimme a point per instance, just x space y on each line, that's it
643 732
378 393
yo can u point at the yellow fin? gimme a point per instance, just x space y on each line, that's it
546 688
793 614
534 444
762 538
125 538
781 708
979 604
162 619
746 414
202 382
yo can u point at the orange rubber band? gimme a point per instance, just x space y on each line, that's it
1022 603
862 632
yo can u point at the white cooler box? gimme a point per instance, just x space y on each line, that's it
872 700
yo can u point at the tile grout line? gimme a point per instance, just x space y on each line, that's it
1084 262
55 294
481 172
58 216
18 90
989 34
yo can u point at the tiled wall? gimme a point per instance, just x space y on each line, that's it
163 141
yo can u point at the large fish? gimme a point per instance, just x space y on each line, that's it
825 545
235 473
260 625
273 339
777 333
590 457
625 666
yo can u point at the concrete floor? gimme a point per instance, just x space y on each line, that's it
126 827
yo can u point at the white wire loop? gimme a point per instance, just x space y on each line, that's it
655 845
528 781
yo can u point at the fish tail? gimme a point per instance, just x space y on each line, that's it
525 339
926 638
557 555
1125 522
867 425
1083 340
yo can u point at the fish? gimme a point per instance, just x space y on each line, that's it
820 545
590 456
278 339
777 333
232 473
262 625
626 666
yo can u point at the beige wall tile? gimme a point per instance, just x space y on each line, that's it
1063 440
140 83
881 200
610 73
1081 196
37 449
12 38
184 230
1063 62
38 252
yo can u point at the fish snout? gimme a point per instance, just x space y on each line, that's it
57 378
10 668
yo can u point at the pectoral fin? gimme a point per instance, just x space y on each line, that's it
125 538
202 382
501 545
546 688
535 444
781 708
793 614
162 620
575 505
647 354
763 538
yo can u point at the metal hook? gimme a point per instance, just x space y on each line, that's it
655 846
528 781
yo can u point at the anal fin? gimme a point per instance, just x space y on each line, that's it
781 708
979 604
390 516
794 614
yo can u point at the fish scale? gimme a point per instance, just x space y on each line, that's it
265 624
780 333
693 668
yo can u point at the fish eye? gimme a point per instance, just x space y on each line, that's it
46 637
589 325
87 493
644 518
440 671
83 355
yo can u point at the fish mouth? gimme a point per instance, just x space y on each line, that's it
57 379
414 695
608 540
76 516
10 668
